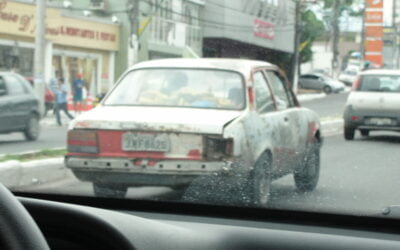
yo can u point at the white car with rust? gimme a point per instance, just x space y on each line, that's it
374 103
168 122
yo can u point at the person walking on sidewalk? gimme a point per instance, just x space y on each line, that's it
61 102
78 92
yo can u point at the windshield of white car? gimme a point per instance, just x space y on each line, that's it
380 83
185 88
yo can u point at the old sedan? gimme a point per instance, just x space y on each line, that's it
169 122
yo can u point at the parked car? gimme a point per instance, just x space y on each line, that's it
320 82
49 97
349 76
19 106
374 103
187 118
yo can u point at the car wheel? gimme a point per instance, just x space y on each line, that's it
364 132
32 130
327 89
349 133
260 181
107 191
307 178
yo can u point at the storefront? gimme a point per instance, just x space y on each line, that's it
75 45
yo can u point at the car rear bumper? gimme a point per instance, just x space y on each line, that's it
125 172
358 119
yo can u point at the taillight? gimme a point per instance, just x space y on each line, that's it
81 141
218 148
356 84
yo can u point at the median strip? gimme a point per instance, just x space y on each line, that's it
35 155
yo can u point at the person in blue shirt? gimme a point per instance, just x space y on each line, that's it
61 102
78 91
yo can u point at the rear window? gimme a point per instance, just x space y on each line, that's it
376 83
190 88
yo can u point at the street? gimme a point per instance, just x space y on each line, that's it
347 182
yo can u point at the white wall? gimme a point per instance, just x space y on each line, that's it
322 58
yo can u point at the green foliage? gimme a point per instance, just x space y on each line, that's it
311 30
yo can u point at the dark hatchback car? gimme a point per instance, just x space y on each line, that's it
19 106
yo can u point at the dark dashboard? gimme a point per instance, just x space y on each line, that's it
119 224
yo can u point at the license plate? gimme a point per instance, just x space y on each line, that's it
145 142
380 121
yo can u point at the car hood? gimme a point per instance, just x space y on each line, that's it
186 120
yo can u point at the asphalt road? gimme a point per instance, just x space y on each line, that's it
363 182
51 137
331 106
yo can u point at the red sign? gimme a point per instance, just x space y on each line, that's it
374 46
374 17
374 31
264 29
374 58
377 4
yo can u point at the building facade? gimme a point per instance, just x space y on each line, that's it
74 44
149 29
253 29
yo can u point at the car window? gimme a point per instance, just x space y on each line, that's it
282 97
309 77
14 85
263 96
380 83
189 88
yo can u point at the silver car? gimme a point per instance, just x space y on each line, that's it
374 103
321 82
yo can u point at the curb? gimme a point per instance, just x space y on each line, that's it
331 128
15 174
310 97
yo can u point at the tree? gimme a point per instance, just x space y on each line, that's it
337 8
312 28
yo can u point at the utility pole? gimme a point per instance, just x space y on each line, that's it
296 56
133 14
336 36
40 52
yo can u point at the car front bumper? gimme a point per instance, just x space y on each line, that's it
126 172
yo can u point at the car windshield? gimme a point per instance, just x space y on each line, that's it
180 88
380 83
288 105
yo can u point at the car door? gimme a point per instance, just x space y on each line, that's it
316 82
6 118
289 120
263 125
306 81
20 100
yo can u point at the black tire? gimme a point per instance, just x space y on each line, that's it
364 132
107 191
349 133
260 181
327 89
32 129
306 179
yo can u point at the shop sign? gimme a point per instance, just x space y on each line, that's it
376 4
19 19
264 29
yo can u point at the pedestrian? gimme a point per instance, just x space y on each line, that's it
61 103
78 91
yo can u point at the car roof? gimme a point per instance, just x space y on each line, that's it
243 66
381 72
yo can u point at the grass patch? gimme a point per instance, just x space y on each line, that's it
44 154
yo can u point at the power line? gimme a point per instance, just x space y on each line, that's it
287 27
